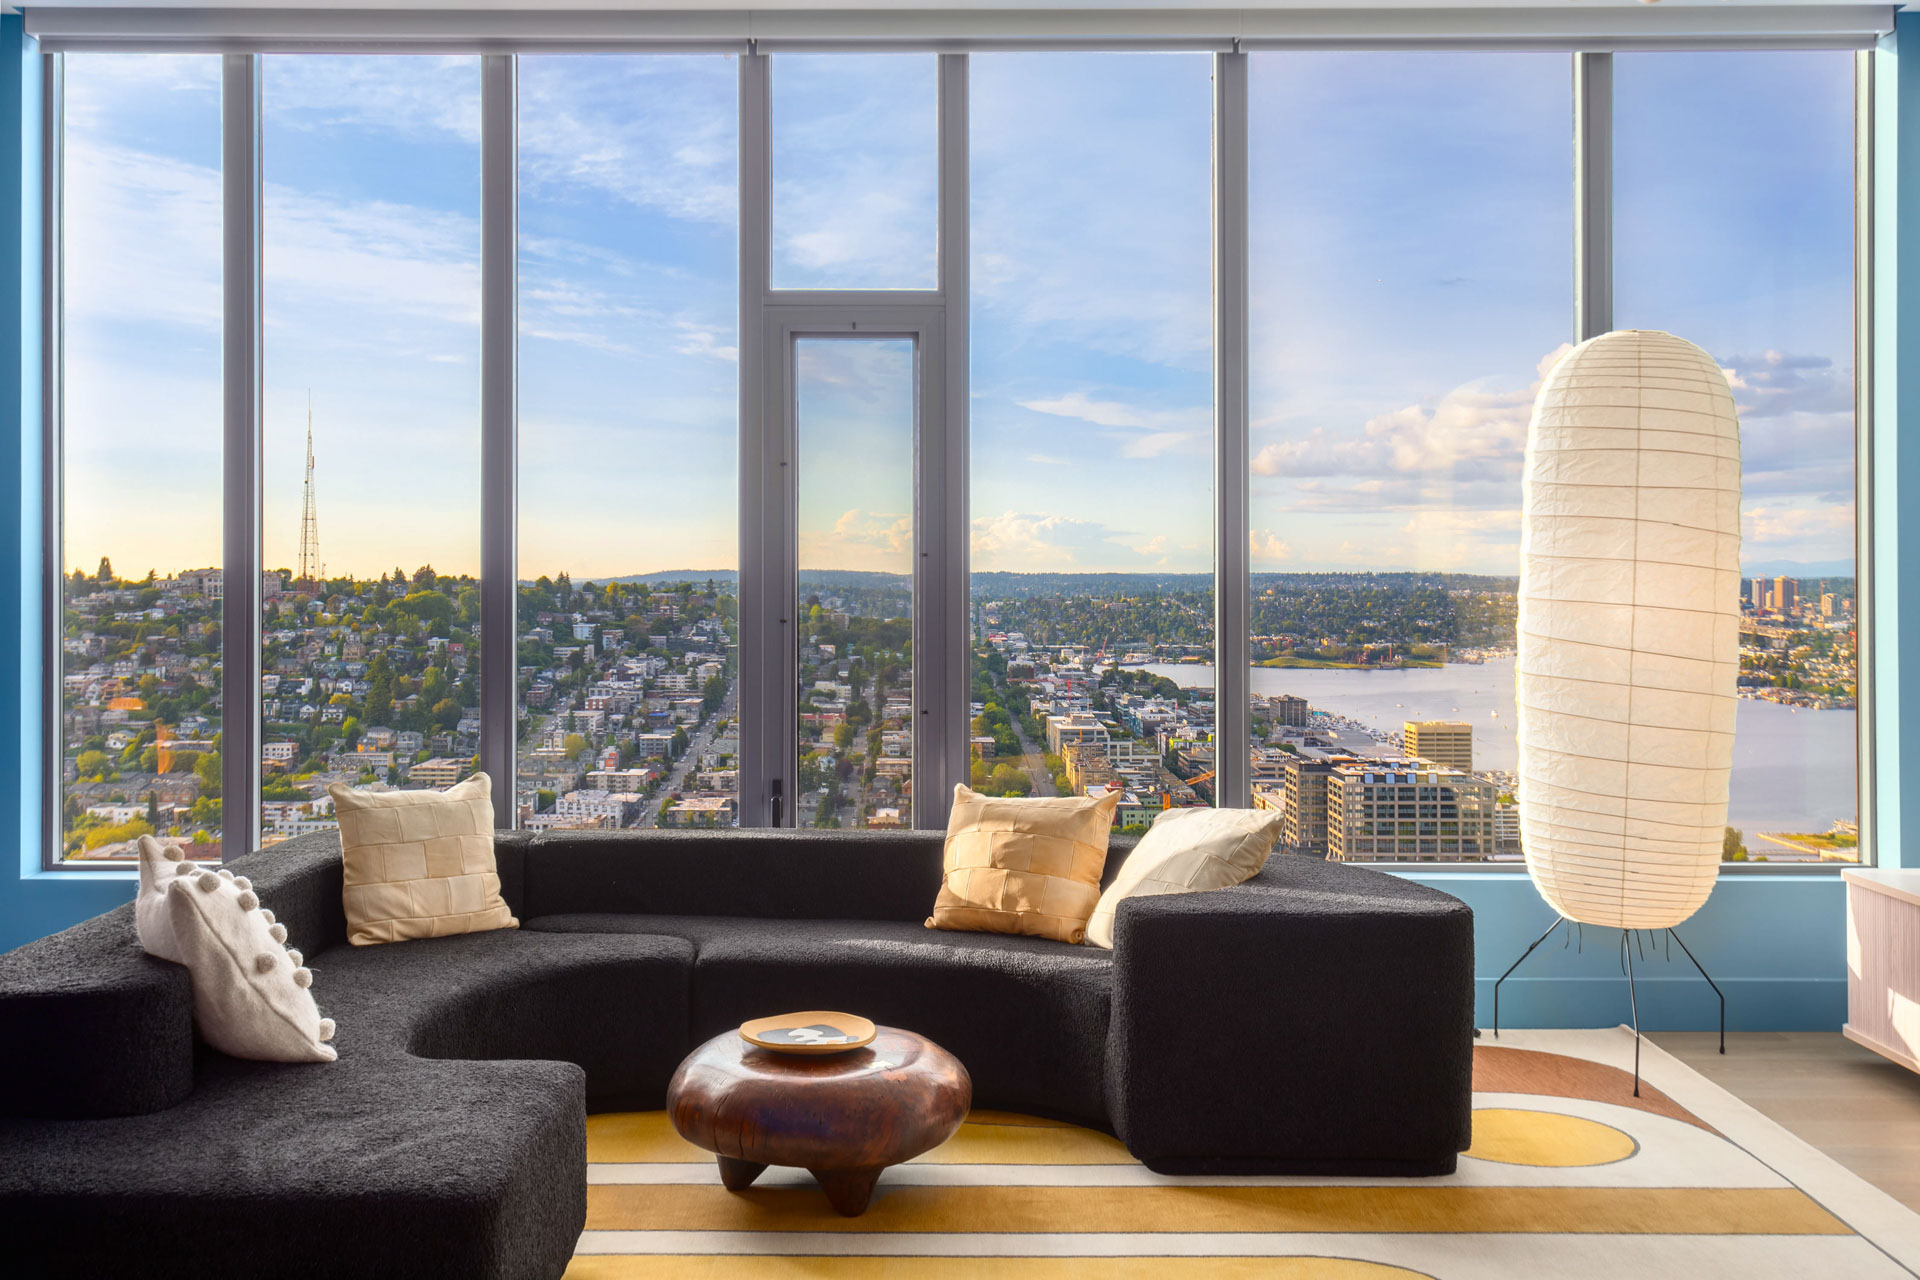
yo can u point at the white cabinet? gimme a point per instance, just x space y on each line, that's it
1883 963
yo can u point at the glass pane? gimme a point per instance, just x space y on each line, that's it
855 170
1733 228
370 658
854 412
629 441
1092 427
140 626
1410 228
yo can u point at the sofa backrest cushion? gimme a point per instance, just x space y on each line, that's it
781 875
92 1026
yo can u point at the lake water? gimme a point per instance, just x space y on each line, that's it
1793 770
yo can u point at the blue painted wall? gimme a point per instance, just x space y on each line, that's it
1776 944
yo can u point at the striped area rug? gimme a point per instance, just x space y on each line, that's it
1569 1176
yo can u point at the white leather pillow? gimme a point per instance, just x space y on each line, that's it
1186 850
159 864
251 996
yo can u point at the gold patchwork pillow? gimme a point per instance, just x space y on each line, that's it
1028 866
419 864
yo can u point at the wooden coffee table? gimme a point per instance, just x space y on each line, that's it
842 1117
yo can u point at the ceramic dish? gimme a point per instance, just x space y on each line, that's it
815 1031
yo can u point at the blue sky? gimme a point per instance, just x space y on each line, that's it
1411 239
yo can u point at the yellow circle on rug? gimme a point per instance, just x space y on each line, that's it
1545 1138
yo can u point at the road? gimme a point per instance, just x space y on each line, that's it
697 743
1033 762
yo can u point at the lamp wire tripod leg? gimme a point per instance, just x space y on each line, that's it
1633 1004
1710 982
1557 922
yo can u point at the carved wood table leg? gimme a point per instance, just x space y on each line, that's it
848 1190
738 1175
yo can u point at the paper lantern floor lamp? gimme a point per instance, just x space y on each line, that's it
1629 639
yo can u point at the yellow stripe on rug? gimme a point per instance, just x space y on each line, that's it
987 1137
763 1267
925 1209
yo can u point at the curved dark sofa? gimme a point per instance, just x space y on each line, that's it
1317 1019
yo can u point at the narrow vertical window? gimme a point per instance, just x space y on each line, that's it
1410 219
1734 229
371 537
629 442
1092 427
854 414
139 495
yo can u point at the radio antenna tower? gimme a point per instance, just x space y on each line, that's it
309 517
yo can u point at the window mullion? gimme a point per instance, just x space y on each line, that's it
1231 584
241 500
1592 195
499 487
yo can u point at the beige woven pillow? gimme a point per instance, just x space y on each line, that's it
419 864
1186 850
1029 866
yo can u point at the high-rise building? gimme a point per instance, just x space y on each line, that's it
1448 743
1288 709
1786 594
1384 811
1303 792
1827 604
1757 593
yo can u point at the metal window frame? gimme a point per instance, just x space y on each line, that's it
1232 475
770 322
53 456
499 433
242 374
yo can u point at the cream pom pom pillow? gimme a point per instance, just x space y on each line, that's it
1187 850
251 996
159 864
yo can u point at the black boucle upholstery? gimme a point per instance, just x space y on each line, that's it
375 1165
93 1026
613 1004
780 875
987 998
1317 1019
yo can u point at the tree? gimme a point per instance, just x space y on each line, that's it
843 735
573 744
1733 846
105 576
679 742
207 769
1011 781
93 764
447 713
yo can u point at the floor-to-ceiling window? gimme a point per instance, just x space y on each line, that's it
139 492
1413 243
370 239
629 441
1092 427
1411 234
1734 228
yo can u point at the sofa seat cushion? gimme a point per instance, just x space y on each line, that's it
613 1004
989 999
377 1164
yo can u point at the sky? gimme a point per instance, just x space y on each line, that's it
1411 284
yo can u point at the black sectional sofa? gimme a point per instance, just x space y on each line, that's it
1317 1019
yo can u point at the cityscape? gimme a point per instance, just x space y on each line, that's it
1081 684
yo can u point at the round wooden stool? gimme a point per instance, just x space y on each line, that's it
842 1117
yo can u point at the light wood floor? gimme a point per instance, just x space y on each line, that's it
1850 1103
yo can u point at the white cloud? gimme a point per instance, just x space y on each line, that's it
1267 548
870 540
1161 430
1811 532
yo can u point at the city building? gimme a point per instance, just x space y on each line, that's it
1302 797
1444 742
1786 595
439 772
1380 812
